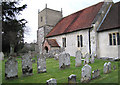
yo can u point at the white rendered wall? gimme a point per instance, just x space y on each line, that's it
71 42
104 49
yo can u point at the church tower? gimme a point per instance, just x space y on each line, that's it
47 19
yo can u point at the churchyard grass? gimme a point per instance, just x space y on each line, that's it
61 76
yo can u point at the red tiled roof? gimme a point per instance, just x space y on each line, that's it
80 20
52 42
111 20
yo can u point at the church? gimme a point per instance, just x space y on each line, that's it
94 29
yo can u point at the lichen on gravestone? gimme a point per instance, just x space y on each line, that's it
11 68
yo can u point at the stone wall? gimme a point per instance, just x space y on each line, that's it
97 23
49 17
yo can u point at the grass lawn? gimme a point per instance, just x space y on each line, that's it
61 76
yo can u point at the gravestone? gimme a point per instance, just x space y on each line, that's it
86 73
92 58
1 56
11 68
64 60
87 56
27 65
33 61
105 70
78 61
95 74
67 60
41 64
51 54
61 61
56 56
109 66
51 82
72 78
114 67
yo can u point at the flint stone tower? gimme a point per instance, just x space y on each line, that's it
47 19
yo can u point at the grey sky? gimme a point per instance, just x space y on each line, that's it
68 7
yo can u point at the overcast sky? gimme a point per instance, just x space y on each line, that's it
68 7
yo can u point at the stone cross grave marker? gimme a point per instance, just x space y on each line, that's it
78 61
11 68
72 79
27 65
86 73
51 81
41 63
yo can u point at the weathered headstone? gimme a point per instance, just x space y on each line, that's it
67 59
11 68
61 61
105 70
51 54
51 82
64 60
92 58
41 63
78 59
72 78
86 73
87 56
1 56
114 67
56 56
95 74
109 66
33 60
27 65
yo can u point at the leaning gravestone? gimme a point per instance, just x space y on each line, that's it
51 82
72 79
11 68
105 70
86 73
78 59
27 65
41 63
